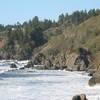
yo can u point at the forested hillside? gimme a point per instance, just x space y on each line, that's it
81 29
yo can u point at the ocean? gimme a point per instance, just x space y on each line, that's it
32 84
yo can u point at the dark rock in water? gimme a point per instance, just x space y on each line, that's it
91 70
91 82
91 74
13 66
95 78
22 68
29 65
76 98
80 97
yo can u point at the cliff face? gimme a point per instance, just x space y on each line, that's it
77 48
71 62
61 48
72 47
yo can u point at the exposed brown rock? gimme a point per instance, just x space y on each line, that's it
79 97
95 78
72 62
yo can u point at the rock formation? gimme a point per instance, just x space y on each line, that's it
79 97
13 65
95 78
71 62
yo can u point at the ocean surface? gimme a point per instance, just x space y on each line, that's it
31 84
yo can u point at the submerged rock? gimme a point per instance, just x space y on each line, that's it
13 66
91 82
91 71
95 78
29 65
79 97
76 97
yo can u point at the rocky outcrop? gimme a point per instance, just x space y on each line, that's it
13 66
92 82
71 62
75 63
91 70
81 62
79 97
95 78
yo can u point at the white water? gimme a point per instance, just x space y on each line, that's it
44 85
5 64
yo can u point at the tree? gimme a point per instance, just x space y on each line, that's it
92 12
37 36
35 21
61 19
97 12
2 28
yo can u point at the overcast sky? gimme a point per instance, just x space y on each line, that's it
12 11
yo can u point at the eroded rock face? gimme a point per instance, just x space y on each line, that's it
79 97
72 62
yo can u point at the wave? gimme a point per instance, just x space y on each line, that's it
5 65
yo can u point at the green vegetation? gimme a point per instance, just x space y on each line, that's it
67 35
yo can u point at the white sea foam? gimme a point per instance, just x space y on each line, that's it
45 85
5 64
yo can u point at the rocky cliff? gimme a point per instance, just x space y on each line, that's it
73 47
76 49
71 62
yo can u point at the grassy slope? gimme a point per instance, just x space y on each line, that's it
69 39
86 35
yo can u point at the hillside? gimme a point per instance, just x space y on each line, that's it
54 40
85 35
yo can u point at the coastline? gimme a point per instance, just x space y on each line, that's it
59 74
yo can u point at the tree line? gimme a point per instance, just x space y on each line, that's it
22 39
